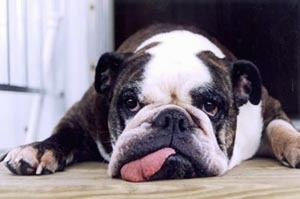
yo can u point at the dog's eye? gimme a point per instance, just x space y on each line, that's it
132 104
210 108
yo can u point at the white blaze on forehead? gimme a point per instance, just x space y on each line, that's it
174 67
187 42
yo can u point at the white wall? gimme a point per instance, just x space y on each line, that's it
83 32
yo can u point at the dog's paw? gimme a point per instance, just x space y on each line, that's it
33 159
290 154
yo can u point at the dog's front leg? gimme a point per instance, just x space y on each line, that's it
74 140
280 139
284 141
66 146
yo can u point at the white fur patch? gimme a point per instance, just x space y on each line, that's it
174 68
188 42
69 159
102 151
248 133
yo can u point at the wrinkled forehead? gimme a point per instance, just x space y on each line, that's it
175 66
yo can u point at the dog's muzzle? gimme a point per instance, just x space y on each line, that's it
167 142
167 162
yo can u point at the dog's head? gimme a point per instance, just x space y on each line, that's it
173 106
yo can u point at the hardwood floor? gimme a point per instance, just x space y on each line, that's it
257 178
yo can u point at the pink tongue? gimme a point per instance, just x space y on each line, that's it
142 169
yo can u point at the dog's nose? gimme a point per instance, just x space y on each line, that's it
173 120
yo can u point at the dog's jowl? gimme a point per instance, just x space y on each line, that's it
169 103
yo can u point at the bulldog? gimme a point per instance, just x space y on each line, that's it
170 103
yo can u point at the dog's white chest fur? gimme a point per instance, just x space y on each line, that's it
248 133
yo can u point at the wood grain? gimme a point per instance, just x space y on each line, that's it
257 178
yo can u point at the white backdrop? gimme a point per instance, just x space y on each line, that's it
66 39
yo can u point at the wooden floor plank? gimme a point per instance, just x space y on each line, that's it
257 178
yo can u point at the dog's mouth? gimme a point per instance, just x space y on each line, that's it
171 146
164 163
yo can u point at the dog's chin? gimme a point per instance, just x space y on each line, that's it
175 167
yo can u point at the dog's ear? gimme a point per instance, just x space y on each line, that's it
246 82
107 70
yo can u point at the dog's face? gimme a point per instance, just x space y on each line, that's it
173 108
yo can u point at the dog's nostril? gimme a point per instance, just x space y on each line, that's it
182 124
166 122
163 121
